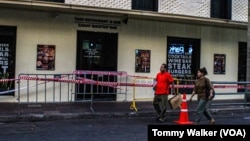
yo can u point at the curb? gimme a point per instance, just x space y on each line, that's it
81 115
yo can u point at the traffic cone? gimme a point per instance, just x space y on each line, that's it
183 119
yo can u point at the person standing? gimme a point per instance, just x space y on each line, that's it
200 90
163 81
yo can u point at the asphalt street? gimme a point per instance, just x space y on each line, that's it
131 128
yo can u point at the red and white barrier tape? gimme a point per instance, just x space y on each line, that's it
115 84
121 73
108 84
7 80
80 80
140 77
13 90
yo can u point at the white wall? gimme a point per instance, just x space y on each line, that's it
43 28
152 35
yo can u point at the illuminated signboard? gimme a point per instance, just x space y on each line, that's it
180 59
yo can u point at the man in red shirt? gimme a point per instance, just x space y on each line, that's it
163 81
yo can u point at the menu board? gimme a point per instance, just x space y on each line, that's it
179 59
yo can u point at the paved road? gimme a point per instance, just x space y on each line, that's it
132 128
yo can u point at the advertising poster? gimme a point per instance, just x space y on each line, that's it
219 63
180 60
45 57
6 57
142 60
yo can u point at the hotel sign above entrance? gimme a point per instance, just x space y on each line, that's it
90 22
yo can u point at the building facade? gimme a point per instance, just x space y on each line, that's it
135 36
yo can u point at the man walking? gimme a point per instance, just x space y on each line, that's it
163 81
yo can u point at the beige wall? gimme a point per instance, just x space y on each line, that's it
152 35
43 28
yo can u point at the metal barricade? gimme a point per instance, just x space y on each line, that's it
79 86
145 86
83 85
45 88
239 89
224 91
100 85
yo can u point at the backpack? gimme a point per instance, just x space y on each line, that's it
208 90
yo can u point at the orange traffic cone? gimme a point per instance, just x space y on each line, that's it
183 119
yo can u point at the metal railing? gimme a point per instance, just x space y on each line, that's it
82 85
223 88
239 88
45 88
79 86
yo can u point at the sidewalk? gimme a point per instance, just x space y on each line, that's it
10 112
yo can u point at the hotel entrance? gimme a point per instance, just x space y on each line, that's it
96 51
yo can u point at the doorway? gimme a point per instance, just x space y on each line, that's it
187 50
242 63
7 58
96 51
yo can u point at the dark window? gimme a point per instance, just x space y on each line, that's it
7 58
242 63
183 59
183 56
149 5
96 51
221 9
